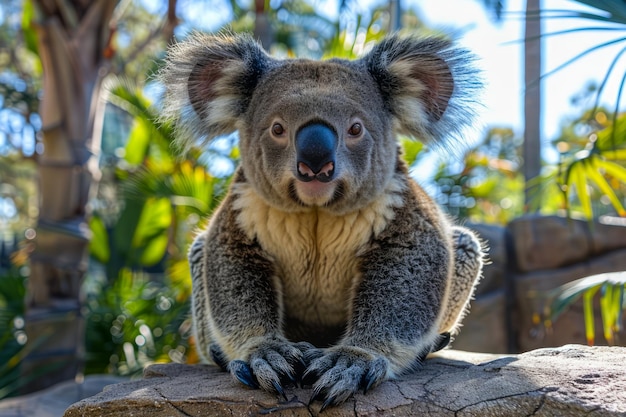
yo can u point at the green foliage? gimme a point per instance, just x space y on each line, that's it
612 303
133 321
349 44
138 311
163 197
12 335
487 186
591 167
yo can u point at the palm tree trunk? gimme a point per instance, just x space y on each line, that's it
72 39
532 98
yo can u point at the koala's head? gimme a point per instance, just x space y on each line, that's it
318 134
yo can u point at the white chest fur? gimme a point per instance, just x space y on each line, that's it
315 253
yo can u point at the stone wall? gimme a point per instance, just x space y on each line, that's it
532 255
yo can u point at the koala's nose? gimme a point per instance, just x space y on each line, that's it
315 153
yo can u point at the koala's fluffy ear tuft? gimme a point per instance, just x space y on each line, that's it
427 84
208 81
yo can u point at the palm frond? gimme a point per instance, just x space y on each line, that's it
611 287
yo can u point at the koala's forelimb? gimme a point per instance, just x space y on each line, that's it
237 307
468 263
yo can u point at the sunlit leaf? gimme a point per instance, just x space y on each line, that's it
28 30
411 150
618 302
593 174
612 304
616 155
484 188
150 234
590 330
99 243
576 180
138 143
154 250
180 275
613 138
194 182
606 312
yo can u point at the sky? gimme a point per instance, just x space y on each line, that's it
501 58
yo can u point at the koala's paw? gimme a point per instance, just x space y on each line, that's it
341 372
274 364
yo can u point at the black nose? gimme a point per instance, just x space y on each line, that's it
315 152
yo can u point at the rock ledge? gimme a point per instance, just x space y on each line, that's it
572 380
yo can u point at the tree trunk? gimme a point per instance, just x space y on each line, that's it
262 27
532 100
73 37
395 16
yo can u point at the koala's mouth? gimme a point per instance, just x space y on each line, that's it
315 192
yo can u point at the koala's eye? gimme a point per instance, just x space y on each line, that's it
356 129
278 129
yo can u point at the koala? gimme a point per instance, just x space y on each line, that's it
325 264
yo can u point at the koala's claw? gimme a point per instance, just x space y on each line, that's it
443 342
242 372
341 373
274 364
375 375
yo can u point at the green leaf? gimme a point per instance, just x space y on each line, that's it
154 250
28 31
576 179
125 227
590 331
615 155
618 302
612 138
606 312
593 174
99 244
615 9
612 285
484 188
194 182
411 150
150 237
614 170
138 143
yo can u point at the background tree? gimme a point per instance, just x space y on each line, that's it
532 98
75 42
607 16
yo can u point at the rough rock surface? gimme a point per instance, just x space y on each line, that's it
572 380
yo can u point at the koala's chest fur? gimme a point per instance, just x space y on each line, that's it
315 253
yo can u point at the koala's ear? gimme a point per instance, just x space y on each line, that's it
208 83
427 84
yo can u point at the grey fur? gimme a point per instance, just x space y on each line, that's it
365 267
